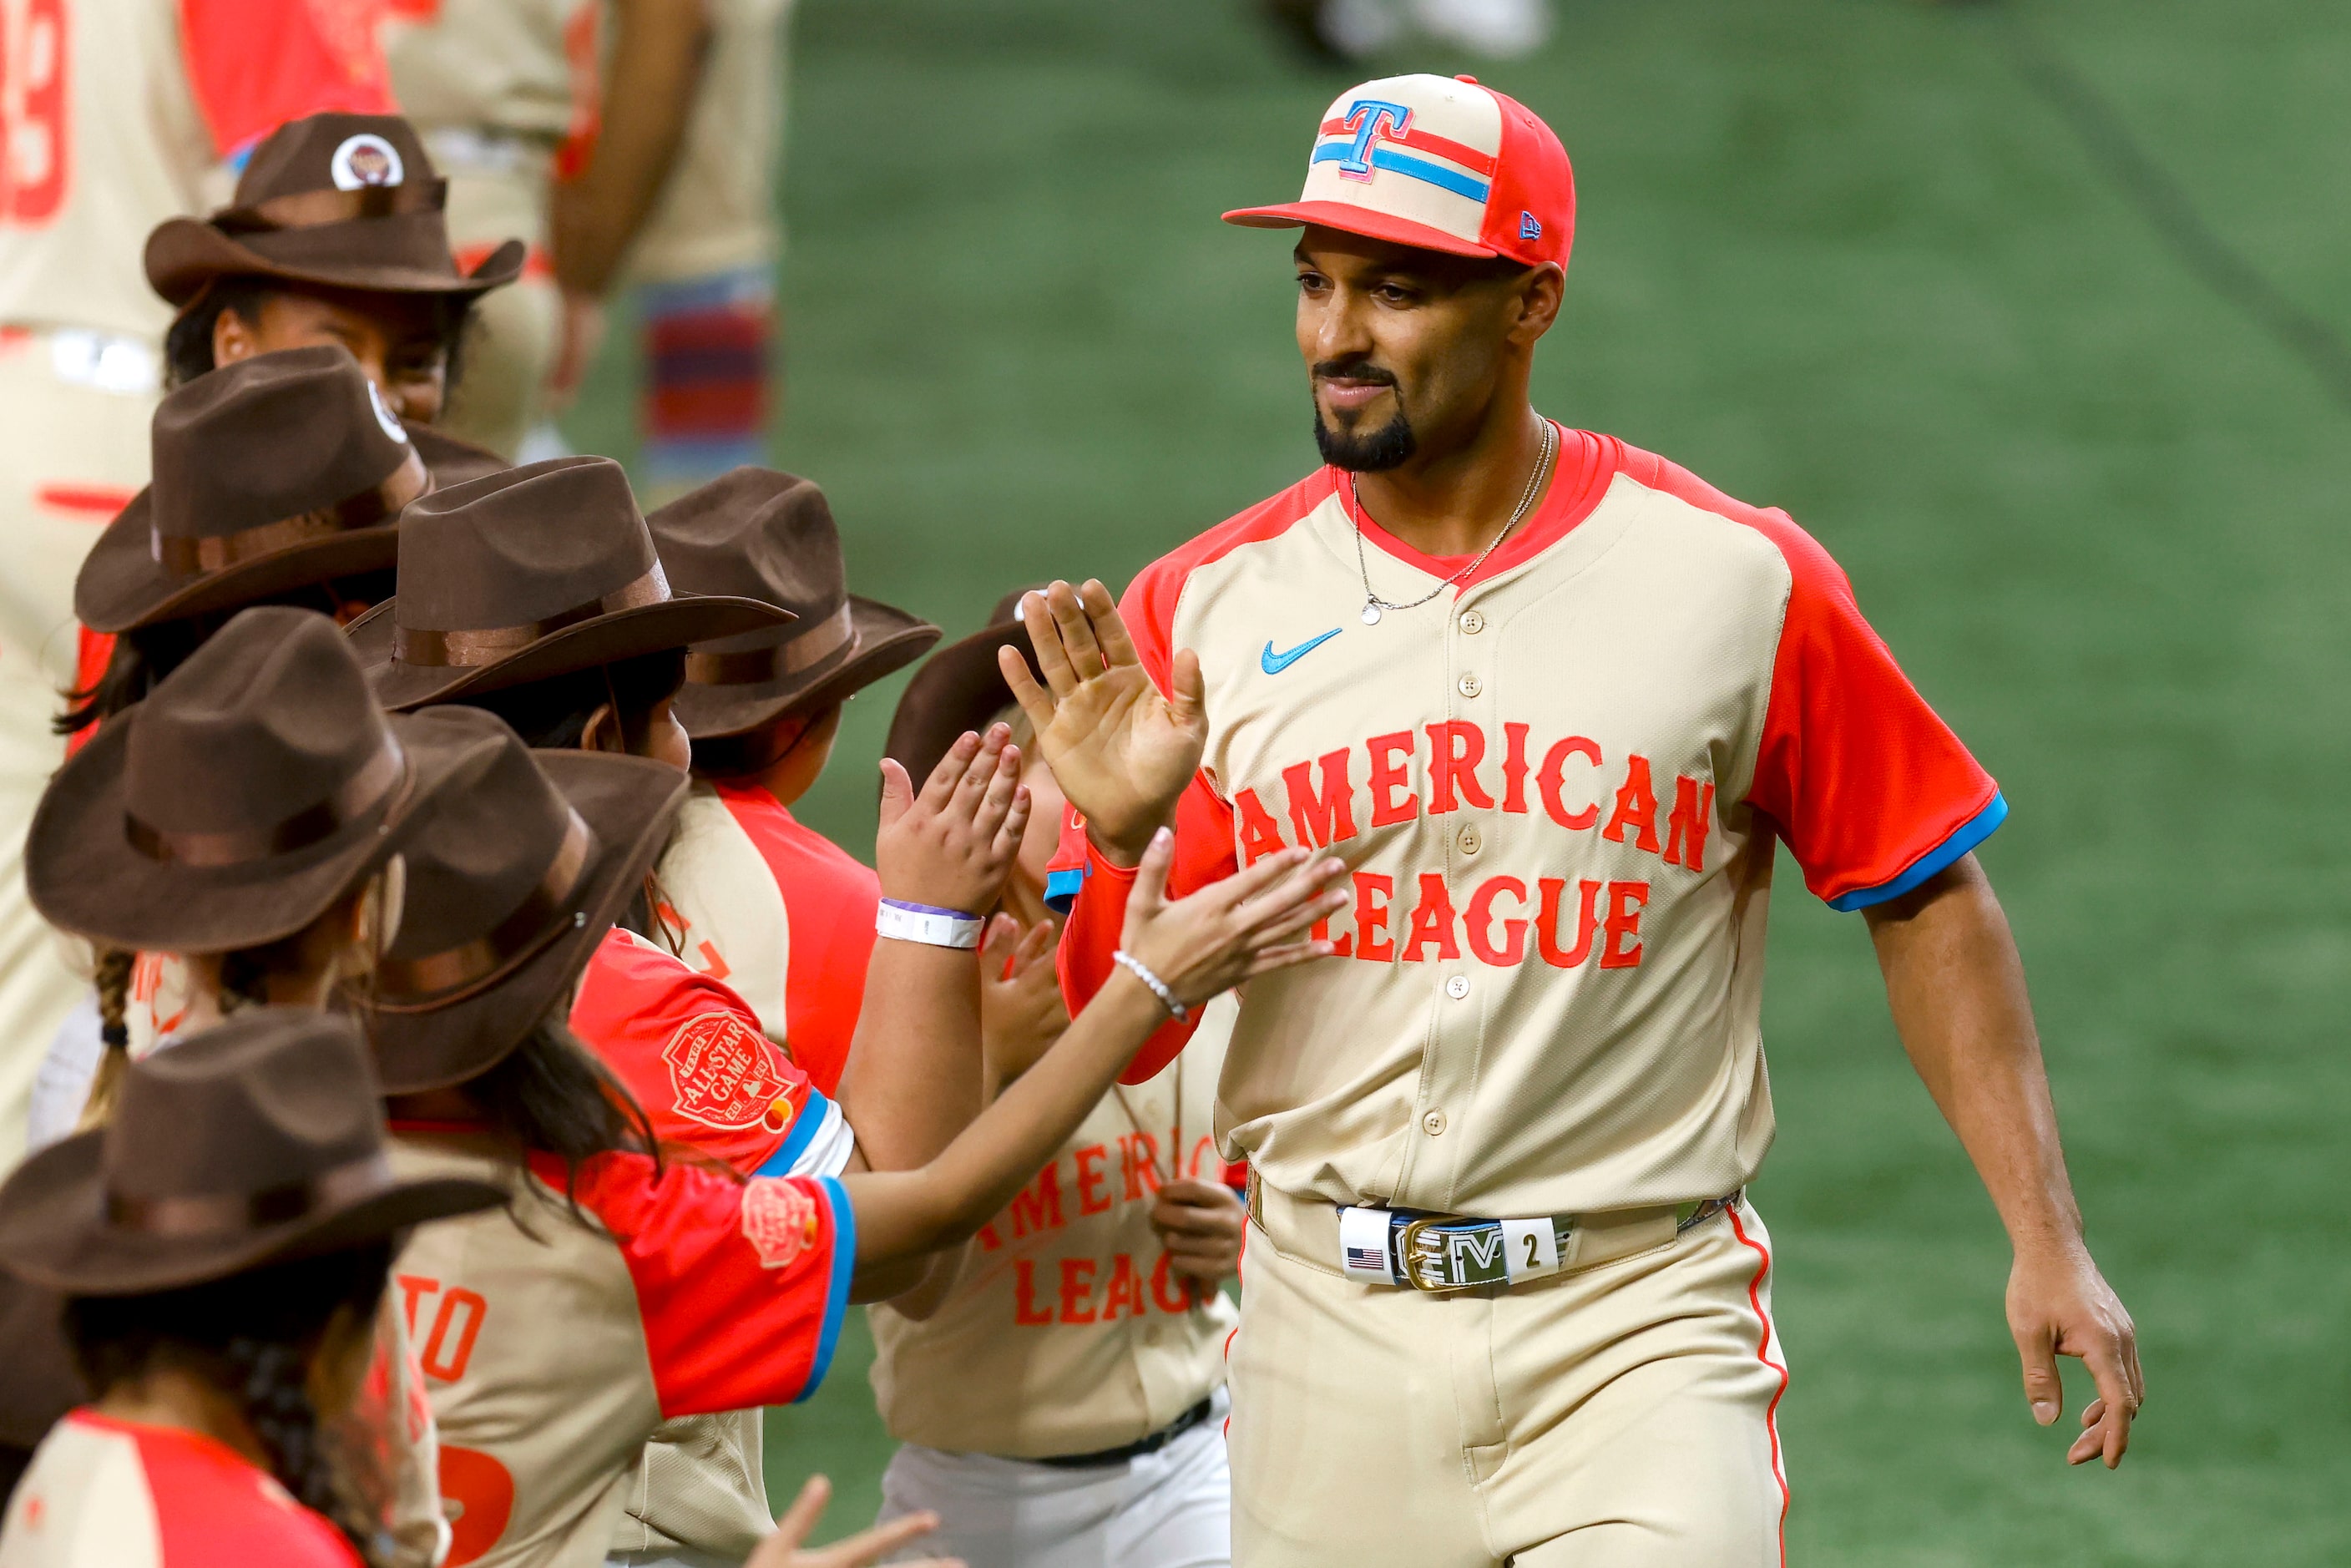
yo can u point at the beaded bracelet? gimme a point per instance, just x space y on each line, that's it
1141 971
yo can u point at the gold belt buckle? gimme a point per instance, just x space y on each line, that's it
1411 1260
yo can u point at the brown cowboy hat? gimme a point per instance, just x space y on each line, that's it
959 688
335 201
255 787
511 880
256 1142
770 537
271 474
533 572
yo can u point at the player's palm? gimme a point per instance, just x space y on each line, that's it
1120 749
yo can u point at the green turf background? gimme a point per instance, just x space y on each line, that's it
1834 257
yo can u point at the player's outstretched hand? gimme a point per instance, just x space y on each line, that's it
2061 1305
950 845
1121 751
783 1549
1252 922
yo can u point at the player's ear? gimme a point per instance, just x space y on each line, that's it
603 731
233 337
1540 292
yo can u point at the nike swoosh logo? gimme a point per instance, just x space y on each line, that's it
1274 664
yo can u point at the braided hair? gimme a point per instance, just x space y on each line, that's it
112 978
253 1337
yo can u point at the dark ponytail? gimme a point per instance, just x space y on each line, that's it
253 1337
112 978
550 1095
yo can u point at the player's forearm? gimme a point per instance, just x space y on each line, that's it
1089 937
1956 985
947 1200
656 67
912 1079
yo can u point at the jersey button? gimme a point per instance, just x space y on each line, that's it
1470 839
1458 986
1471 685
1472 621
1432 1123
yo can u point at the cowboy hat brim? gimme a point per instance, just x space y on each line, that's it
53 1230
676 623
86 876
122 586
958 688
883 641
184 255
628 803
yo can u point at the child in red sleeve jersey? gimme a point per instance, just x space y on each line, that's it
221 1247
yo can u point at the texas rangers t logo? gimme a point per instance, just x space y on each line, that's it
1365 117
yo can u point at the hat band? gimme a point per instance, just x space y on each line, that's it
358 796
755 666
470 650
182 555
191 1215
418 983
316 209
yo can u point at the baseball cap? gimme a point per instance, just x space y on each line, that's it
1439 162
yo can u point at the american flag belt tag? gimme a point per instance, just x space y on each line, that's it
1431 1253
1363 1253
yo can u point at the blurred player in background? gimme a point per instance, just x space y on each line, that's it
547 132
115 114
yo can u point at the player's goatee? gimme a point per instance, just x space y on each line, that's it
1365 451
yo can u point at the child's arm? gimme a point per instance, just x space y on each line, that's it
1198 946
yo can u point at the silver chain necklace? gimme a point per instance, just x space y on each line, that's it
1375 606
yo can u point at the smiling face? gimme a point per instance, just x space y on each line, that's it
1410 350
401 340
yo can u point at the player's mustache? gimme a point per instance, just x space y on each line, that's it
1356 370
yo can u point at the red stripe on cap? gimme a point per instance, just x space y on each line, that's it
1468 157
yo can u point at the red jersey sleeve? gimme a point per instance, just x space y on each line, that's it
1867 787
692 1053
742 1284
254 65
1203 837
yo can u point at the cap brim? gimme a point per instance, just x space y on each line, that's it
887 639
86 876
184 255
679 621
53 1229
627 803
958 689
1350 219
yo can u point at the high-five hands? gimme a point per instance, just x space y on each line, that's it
1121 751
1251 923
951 845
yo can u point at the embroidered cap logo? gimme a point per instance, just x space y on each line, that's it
1371 120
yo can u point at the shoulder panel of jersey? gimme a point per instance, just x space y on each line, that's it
830 898
256 64
204 1502
1869 789
692 1053
741 1283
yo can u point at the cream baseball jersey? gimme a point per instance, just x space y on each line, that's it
129 1495
115 112
779 913
1067 1332
521 67
554 1344
1557 788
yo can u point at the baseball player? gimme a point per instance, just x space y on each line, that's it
114 116
1062 1404
549 132
1556 700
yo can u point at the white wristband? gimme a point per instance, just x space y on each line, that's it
927 923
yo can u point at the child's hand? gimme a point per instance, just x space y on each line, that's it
1020 1009
950 846
783 1549
1248 924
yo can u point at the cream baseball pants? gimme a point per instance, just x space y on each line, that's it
1619 1416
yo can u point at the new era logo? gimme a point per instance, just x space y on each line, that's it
1530 226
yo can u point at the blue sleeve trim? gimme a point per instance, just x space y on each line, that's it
844 1264
1062 887
805 1127
1966 837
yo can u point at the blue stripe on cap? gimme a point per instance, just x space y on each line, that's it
1405 163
